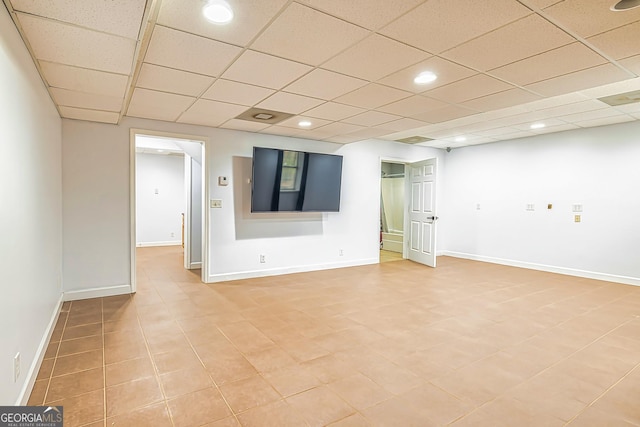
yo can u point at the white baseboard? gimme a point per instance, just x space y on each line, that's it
107 291
32 374
168 243
223 277
549 268
195 265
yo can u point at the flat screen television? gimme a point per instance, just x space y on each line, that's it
295 181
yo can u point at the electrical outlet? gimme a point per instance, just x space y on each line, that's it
341 252
262 259
216 203
16 367
173 234
531 207
577 218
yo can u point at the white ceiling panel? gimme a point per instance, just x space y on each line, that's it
119 17
605 121
601 75
89 115
368 133
499 100
632 64
210 113
571 108
339 128
615 42
612 89
306 35
526 37
469 88
549 65
250 17
629 108
324 84
90 101
591 17
371 14
84 80
245 125
183 51
590 115
412 106
375 57
446 71
293 122
57 42
371 118
372 96
165 79
265 70
237 93
334 111
450 112
439 25
289 103
281 130
150 104
404 124
548 123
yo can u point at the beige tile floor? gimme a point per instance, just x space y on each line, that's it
394 344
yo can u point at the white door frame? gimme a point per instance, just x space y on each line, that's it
421 257
132 197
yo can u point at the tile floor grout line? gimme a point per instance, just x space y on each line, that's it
55 357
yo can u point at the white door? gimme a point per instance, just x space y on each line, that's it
422 212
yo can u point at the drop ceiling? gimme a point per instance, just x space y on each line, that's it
345 66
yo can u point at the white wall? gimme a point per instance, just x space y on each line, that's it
160 199
195 209
597 167
96 212
30 214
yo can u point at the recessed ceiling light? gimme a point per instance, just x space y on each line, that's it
218 11
625 5
424 78
537 126
304 123
460 139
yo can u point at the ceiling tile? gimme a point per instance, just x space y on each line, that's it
89 115
56 42
165 79
615 43
612 89
249 18
588 18
499 100
603 74
541 4
632 64
371 14
375 57
119 17
371 118
404 124
368 133
570 108
606 121
469 88
497 131
90 101
150 104
438 25
245 125
372 96
555 101
183 51
446 71
334 111
307 35
590 115
84 80
236 93
293 122
629 108
324 84
265 70
553 129
414 105
548 123
550 64
210 113
289 103
338 128
281 130
450 112
521 39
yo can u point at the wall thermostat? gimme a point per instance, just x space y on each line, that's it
223 180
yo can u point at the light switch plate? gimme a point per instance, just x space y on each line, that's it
216 203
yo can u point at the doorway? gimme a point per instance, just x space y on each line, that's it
392 207
168 189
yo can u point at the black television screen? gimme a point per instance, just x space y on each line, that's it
295 181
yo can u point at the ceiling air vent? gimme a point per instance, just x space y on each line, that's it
414 139
622 98
260 115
